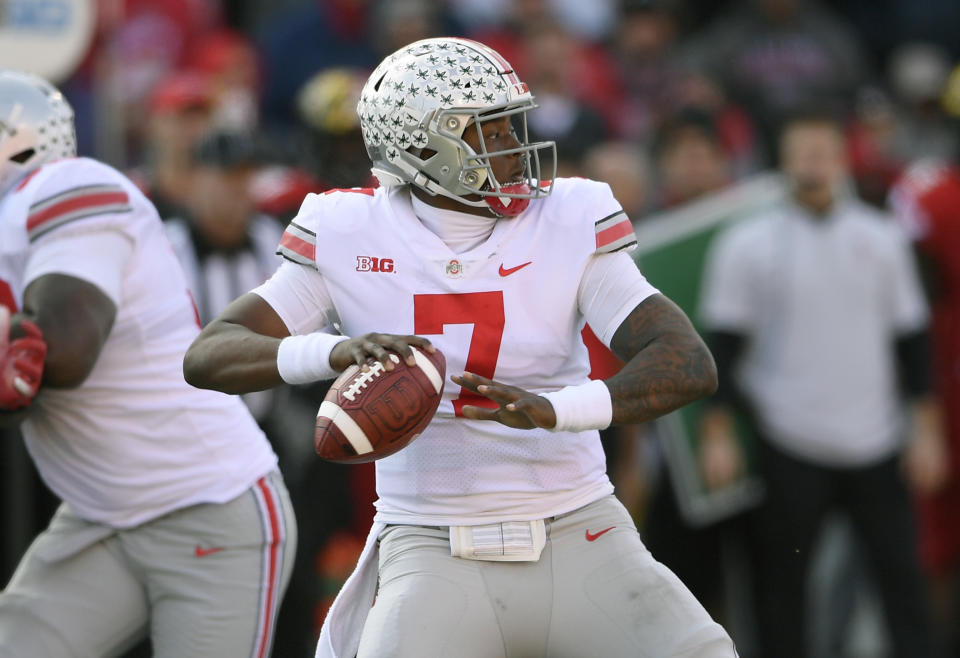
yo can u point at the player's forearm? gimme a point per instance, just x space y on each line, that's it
75 318
665 376
72 348
925 416
668 364
230 358
717 420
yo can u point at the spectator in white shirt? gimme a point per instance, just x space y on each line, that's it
815 308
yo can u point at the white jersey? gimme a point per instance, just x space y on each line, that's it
134 441
508 309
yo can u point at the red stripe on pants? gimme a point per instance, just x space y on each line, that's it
271 566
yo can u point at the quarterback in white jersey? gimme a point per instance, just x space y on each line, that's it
158 479
496 532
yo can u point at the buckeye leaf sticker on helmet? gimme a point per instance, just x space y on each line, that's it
419 102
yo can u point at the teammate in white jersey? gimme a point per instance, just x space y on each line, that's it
496 531
175 521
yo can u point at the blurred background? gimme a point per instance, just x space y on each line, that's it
228 112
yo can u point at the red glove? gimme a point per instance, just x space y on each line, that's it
21 363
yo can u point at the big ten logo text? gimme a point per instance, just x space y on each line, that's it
374 264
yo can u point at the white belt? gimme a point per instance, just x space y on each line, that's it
510 541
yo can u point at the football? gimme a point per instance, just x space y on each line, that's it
369 414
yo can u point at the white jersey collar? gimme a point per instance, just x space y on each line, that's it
460 231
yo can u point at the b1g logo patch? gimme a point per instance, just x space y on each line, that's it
374 264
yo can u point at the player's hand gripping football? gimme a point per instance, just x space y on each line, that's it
21 363
360 348
515 407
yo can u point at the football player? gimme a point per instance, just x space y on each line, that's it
497 532
175 521
926 200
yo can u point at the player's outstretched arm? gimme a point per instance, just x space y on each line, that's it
667 366
237 352
667 363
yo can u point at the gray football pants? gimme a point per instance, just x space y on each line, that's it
204 581
607 598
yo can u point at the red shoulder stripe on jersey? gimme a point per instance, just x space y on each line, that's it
75 204
350 190
619 230
297 245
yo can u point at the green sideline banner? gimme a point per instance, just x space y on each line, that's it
671 251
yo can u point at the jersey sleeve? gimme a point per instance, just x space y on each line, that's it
581 204
299 295
298 244
611 287
78 194
613 230
908 305
728 302
97 257
80 222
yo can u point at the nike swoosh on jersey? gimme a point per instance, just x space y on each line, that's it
200 551
597 535
508 271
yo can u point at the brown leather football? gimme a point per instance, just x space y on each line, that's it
369 414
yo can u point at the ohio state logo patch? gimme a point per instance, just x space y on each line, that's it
454 268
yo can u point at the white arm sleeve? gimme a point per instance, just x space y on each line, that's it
300 297
610 289
729 300
98 257
908 304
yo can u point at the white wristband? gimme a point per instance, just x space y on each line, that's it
585 407
305 359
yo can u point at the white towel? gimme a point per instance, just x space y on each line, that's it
340 634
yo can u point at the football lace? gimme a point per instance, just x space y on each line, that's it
375 370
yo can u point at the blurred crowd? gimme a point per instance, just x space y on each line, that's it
227 113
685 96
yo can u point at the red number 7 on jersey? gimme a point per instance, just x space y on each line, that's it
484 310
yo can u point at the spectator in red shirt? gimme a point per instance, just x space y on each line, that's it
926 200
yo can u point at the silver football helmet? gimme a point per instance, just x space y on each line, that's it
416 107
36 125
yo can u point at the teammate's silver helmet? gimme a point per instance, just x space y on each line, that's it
416 107
36 125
